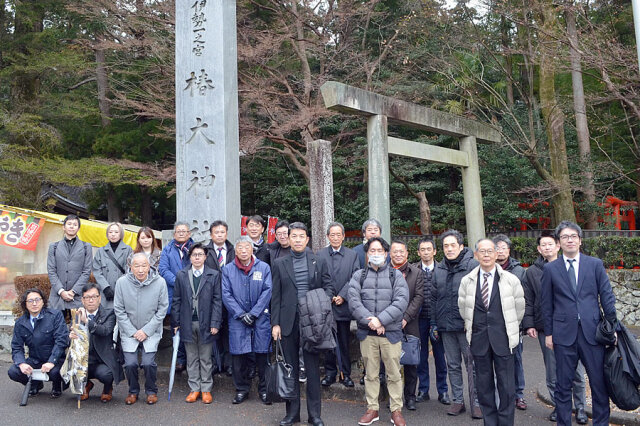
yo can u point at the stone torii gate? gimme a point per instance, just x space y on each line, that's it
380 110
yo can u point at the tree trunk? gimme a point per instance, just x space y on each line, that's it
582 127
146 207
425 213
103 87
554 120
114 213
504 26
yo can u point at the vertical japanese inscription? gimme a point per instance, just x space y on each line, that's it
198 20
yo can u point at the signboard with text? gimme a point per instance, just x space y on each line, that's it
19 230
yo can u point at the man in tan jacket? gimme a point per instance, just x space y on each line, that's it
491 303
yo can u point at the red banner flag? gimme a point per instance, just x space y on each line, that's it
243 225
271 229
20 230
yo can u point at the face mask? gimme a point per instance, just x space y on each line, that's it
377 259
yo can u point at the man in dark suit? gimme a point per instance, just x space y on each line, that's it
293 276
342 262
255 231
103 360
491 303
220 252
197 311
571 286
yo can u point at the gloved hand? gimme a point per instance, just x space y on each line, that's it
247 319
435 336
108 293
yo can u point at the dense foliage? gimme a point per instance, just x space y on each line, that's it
86 101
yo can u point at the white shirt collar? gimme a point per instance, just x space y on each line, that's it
566 259
429 267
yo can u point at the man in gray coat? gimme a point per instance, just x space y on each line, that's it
377 302
342 262
69 267
140 304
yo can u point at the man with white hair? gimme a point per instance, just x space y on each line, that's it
140 303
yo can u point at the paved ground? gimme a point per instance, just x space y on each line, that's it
42 410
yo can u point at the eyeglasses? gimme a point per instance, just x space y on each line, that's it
498 248
34 301
567 237
181 232
486 251
90 297
197 255
282 234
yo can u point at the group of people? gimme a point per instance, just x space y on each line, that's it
229 302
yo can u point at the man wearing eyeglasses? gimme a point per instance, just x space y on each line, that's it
571 287
103 360
491 303
509 264
174 258
197 312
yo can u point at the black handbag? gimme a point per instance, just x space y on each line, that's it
410 354
280 379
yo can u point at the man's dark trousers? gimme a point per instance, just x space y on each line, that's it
438 355
492 356
290 347
344 363
592 356
17 375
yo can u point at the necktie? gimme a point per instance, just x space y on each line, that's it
91 317
196 273
572 273
33 322
485 289
220 258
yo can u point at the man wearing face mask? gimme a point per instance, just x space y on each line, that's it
378 298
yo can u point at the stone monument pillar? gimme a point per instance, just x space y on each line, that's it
207 148
321 191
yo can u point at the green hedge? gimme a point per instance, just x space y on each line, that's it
615 252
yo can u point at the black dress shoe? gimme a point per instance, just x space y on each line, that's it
289 421
444 399
316 421
422 397
347 382
240 398
55 394
581 417
553 417
36 388
263 398
411 404
328 381
362 381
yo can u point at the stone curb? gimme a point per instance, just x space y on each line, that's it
617 417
